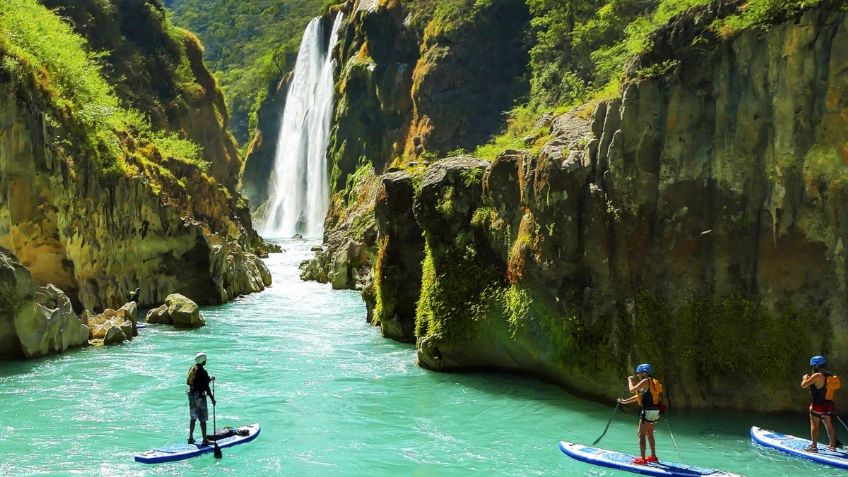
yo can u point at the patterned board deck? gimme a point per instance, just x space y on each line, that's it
175 452
795 446
618 460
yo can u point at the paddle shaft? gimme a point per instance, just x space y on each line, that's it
842 422
672 435
614 411
217 452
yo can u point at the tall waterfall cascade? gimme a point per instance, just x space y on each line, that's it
300 192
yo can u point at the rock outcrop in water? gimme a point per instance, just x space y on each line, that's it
694 222
178 311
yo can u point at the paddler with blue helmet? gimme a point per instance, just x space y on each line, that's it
823 386
647 392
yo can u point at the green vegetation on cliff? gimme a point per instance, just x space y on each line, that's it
583 46
249 46
39 45
581 50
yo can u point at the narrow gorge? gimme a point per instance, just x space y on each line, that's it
693 220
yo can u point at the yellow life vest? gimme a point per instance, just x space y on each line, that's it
655 389
191 373
832 384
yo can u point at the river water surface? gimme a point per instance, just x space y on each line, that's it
333 398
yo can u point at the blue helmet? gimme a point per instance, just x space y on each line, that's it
817 361
645 368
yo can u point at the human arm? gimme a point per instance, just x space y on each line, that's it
634 386
809 379
627 401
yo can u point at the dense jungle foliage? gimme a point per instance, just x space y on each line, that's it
578 49
249 45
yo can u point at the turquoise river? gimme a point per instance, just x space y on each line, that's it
333 398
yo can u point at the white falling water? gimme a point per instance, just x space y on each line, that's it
300 192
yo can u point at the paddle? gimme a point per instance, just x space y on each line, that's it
668 426
217 451
842 422
617 404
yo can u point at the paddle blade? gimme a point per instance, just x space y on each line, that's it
217 452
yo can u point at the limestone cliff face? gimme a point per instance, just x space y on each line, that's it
412 80
409 81
98 238
695 223
159 70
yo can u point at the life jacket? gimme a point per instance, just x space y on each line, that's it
191 373
650 398
828 391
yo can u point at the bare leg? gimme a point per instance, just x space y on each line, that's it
831 432
650 432
642 438
191 430
814 432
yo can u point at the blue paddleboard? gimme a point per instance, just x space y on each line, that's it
617 460
795 446
173 452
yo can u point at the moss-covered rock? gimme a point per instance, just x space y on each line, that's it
159 70
695 223
397 272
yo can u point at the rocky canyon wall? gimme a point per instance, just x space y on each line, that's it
695 223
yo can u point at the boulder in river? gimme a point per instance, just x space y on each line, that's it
113 326
49 325
183 312
159 316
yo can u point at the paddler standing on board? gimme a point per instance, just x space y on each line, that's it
198 382
647 392
823 386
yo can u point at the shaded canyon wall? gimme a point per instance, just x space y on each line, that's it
696 223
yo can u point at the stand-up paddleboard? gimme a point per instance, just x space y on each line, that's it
172 452
795 446
617 460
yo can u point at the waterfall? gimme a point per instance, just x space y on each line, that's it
300 192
